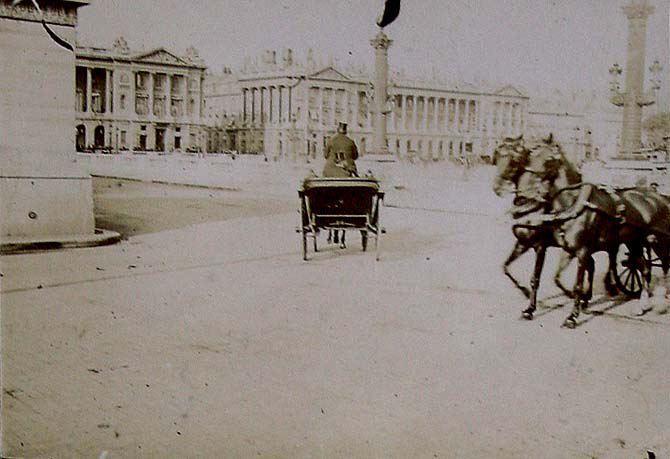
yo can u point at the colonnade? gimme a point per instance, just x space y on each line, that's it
267 104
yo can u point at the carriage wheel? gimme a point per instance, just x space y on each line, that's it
364 239
628 272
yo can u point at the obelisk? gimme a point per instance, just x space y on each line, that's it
633 97
381 44
45 195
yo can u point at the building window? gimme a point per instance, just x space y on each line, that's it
123 101
123 139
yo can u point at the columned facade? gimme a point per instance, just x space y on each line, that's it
148 101
423 120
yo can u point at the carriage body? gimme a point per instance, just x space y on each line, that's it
339 204
629 272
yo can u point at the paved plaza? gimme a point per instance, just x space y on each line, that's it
204 334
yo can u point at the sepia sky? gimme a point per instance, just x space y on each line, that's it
535 44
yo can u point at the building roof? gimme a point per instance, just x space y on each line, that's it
120 52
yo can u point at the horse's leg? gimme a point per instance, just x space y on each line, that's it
590 271
343 243
610 284
643 305
330 236
336 236
518 250
563 262
662 307
571 320
540 252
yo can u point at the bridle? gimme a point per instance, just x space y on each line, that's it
531 197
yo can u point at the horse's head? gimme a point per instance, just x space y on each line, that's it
510 158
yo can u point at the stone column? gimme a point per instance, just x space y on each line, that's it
168 98
321 113
637 13
357 108
184 102
263 106
253 105
346 104
381 44
131 101
280 106
436 113
108 91
150 90
415 107
244 105
333 107
426 111
403 113
89 90
394 106
457 114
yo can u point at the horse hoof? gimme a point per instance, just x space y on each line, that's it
570 323
528 315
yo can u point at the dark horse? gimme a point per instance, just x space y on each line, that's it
583 219
534 178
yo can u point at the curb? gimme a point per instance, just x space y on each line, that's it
169 182
25 245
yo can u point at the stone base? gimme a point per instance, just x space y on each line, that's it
24 245
45 207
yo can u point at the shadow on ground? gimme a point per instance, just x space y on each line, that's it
131 207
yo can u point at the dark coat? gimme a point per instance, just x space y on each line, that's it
340 154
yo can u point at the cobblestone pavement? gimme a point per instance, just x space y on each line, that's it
210 337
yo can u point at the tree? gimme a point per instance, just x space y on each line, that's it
656 127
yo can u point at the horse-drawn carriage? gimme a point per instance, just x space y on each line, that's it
340 204
553 207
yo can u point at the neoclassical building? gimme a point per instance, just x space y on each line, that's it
584 122
285 108
145 100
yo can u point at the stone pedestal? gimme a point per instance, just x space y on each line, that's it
44 193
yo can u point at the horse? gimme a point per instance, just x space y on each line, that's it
533 182
584 219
